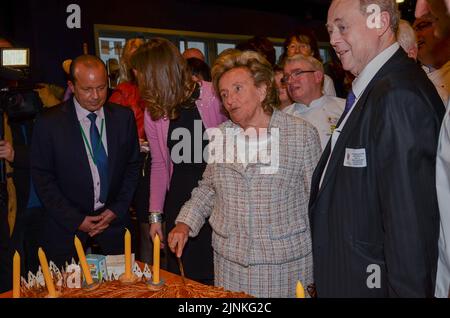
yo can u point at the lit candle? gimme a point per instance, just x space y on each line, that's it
156 251
299 291
46 272
83 263
16 275
127 254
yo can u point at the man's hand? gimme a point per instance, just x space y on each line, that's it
89 223
106 218
6 151
178 238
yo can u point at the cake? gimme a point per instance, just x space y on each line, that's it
174 287
115 289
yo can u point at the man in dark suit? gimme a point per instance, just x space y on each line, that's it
85 165
373 206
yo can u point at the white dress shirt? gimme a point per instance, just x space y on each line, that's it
443 195
323 113
359 86
441 80
85 124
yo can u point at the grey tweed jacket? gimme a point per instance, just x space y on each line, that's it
259 218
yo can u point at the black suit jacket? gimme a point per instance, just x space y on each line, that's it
386 213
61 172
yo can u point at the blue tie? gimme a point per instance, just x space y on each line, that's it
100 157
349 102
348 105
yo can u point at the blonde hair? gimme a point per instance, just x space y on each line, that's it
164 77
125 69
258 67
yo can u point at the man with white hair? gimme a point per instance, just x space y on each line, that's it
304 77
373 207
407 39
442 16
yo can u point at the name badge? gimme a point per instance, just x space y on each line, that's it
355 158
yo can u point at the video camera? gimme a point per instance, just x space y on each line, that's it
19 102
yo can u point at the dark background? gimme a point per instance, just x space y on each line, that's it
41 25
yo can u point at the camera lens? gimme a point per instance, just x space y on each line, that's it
15 100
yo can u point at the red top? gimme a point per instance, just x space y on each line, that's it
127 94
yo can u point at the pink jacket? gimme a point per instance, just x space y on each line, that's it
209 107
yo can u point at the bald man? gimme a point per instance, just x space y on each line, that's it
193 52
440 10
373 207
85 165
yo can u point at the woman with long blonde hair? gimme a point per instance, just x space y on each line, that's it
174 103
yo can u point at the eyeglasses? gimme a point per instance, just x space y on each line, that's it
294 74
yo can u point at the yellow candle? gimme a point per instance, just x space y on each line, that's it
127 254
46 272
16 275
156 251
83 262
299 291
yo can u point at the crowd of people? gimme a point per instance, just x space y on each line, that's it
255 173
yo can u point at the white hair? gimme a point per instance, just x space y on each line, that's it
406 36
315 64
389 6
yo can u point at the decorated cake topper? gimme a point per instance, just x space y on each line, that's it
146 272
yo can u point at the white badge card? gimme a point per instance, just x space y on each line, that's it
355 158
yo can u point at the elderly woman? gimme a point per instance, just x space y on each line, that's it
261 234
176 103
